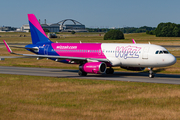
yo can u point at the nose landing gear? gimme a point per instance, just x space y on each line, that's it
151 74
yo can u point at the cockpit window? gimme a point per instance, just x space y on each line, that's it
165 52
157 52
161 52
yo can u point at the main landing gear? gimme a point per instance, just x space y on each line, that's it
81 73
151 74
109 70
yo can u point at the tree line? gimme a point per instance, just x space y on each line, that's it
162 30
167 30
124 29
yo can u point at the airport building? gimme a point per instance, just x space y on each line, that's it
7 29
25 28
73 26
50 28
62 26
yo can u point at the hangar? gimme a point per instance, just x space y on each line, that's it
76 26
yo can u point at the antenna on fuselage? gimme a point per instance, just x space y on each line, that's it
80 41
149 43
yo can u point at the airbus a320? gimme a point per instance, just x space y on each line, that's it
96 58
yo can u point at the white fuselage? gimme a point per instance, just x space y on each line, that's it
137 55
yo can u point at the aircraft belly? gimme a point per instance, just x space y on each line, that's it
131 62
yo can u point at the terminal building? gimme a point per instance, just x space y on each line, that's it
60 26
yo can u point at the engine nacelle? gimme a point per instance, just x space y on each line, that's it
134 68
93 67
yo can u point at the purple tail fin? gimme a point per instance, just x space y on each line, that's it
37 33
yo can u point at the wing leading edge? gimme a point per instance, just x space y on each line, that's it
52 56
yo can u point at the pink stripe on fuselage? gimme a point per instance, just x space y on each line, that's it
32 18
86 50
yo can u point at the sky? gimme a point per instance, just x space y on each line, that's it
92 13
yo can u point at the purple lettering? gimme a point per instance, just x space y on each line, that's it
127 52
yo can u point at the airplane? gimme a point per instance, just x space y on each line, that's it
96 58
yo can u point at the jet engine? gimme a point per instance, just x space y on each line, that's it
134 68
93 67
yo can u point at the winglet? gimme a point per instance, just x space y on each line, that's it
7 46
133 41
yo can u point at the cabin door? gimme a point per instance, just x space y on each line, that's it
145 53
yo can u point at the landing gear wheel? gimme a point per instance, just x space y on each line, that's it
151 74
109 71
81 73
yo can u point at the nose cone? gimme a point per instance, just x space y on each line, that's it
171 60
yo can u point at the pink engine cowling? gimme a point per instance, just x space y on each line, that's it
93 67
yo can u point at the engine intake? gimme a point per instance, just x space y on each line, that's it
93 67
134 68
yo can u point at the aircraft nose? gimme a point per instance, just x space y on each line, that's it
171 60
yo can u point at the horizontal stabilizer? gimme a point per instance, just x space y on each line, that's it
25 48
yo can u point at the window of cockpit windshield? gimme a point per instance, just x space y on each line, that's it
161 52
157 52
165 52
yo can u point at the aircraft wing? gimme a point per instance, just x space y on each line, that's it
60 57
53 56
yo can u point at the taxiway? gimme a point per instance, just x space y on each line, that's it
117 76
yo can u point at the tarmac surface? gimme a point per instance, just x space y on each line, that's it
66 73
117 76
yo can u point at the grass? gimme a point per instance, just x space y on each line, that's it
94 37
32 97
